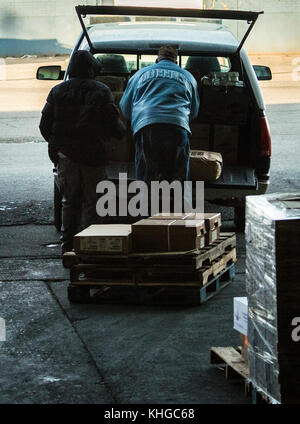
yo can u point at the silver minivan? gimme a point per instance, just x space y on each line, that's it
232 118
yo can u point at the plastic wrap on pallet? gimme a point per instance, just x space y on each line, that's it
262 214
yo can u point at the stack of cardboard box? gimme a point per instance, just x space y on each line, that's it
184 256
232 103
226 142
159 233
201 134
166 233
224 109
220 138
273 286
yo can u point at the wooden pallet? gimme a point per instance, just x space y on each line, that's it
125 274
237 370
178 276
194 268
235 366
161 294
218 283
197 258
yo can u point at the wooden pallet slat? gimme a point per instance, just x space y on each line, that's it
173 294
207 273
235 366
217 284
155 275
236 369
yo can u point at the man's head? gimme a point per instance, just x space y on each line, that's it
83 65
167 53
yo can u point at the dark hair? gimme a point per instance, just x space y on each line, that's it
168 52
83 65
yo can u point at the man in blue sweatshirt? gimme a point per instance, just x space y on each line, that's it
160 101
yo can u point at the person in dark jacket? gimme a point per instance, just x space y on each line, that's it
78 117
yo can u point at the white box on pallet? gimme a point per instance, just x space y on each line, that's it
240 315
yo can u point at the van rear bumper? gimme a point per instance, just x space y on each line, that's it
233 197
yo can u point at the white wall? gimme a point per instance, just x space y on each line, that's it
277 30
51 26
37 26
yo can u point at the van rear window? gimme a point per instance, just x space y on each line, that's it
128 63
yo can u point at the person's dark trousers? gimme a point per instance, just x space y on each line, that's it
162 153
77 184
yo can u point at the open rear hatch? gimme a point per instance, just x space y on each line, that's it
233 177
207 15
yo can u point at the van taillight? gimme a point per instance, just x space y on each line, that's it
265 137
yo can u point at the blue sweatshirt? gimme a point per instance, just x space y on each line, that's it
160 93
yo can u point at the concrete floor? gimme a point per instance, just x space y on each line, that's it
61 353
121 354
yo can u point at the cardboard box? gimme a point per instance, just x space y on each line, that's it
186 235
205 166
104 239
171 216
212 225
150 235
200 242
212 235
226 142
200 138
240 315
223 104
212 220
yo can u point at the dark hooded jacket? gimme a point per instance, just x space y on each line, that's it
80 114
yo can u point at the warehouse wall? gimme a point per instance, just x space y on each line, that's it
51 26
37 26
278 30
